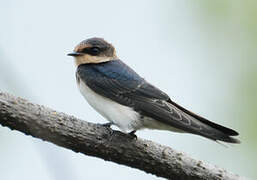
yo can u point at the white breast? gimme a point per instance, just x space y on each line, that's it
124 117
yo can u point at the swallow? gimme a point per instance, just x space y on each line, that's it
128 101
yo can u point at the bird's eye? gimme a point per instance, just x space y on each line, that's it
94 51
85 50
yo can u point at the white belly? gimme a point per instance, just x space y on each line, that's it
124 117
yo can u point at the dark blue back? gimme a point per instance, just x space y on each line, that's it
116 81
115 69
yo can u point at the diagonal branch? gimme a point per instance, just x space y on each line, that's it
96 140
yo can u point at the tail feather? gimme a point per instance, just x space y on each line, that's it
212 131
220 136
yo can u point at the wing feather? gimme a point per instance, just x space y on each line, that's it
116 81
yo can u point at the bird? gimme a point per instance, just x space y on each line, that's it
130 102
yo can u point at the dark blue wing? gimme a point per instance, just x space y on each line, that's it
116 81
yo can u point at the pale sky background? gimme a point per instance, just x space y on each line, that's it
202 53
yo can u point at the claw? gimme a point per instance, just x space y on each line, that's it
109 129
133 135
107 124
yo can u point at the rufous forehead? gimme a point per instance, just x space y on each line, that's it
81 46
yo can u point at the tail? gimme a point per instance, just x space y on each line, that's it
218 133
211 130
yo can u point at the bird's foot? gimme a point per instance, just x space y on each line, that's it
133 135
108 128
108 125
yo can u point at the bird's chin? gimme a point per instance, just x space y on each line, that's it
80 60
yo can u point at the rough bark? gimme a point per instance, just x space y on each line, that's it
102 142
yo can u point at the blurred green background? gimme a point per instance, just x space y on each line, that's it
202 53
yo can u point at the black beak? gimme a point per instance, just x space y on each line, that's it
74 54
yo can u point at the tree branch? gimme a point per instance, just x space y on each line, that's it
96 140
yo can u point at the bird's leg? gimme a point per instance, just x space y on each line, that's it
108 127
107 124
133 135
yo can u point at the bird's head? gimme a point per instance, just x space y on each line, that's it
93 50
